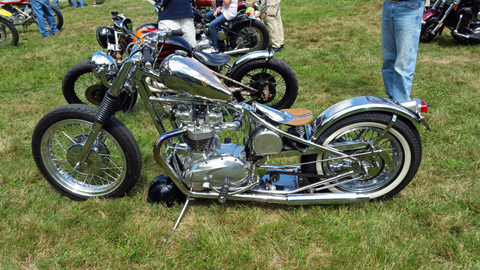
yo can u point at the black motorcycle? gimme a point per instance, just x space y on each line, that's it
257 76
460 16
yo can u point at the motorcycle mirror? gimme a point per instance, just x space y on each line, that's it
126 26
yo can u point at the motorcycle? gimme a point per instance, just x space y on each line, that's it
8 32
360 149
209 4
257 76
460 16
20 12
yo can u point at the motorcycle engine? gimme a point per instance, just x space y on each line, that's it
204 159
17 17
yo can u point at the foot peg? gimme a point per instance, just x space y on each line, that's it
222 197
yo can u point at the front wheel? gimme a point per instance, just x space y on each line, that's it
79 85
112 167
274 80
385 167
8 33
426 34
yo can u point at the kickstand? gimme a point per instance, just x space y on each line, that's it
179 218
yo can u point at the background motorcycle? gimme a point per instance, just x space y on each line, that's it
21 13
8 32
359 149
460 16
208 5
262 77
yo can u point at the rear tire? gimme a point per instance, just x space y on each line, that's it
58 17
113 165
80 86
274 79
255 37
388 171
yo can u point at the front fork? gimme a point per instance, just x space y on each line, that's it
107 109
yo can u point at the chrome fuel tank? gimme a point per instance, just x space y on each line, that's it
190 76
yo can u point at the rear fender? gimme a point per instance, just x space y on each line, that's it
357 105
265 55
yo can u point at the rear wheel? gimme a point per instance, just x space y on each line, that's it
275 81
386 167
79 85
8 33
253 36
58 17
113 165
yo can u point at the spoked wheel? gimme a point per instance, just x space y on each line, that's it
112 167
254 36
79 85
274 80
385 167
8 33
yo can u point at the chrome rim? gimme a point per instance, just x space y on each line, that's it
6 36
106 166
89 89
270 84
380 177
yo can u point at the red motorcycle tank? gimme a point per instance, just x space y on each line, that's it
205 3
170 45
190 76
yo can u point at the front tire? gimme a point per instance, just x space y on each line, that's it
114 162
8 33
390 165
425 35
274 79
80 86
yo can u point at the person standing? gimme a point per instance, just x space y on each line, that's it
271 10
41 8
401 26
177 15
55 3
75 5
219 16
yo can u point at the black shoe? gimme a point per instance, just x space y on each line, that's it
281 47
276 49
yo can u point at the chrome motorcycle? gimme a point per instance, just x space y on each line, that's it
360 149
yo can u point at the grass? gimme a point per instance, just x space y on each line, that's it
334 47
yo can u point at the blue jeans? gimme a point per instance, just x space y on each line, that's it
214 23
401 25
75 3
42 7
55 3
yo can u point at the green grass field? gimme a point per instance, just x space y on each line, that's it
334 47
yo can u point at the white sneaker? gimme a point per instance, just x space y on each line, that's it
211 50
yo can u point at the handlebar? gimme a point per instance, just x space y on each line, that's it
178 33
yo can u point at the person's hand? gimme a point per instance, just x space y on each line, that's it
217 11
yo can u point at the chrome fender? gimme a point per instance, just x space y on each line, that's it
409 110
250 57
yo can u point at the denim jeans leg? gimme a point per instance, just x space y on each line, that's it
81 3
55 3
37 7
213 28
401 25
74 3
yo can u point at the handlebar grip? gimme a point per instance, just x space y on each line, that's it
147 55
177 33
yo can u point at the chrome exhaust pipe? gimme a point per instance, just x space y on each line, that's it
288 199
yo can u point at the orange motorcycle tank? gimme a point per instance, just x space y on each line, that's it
190 76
